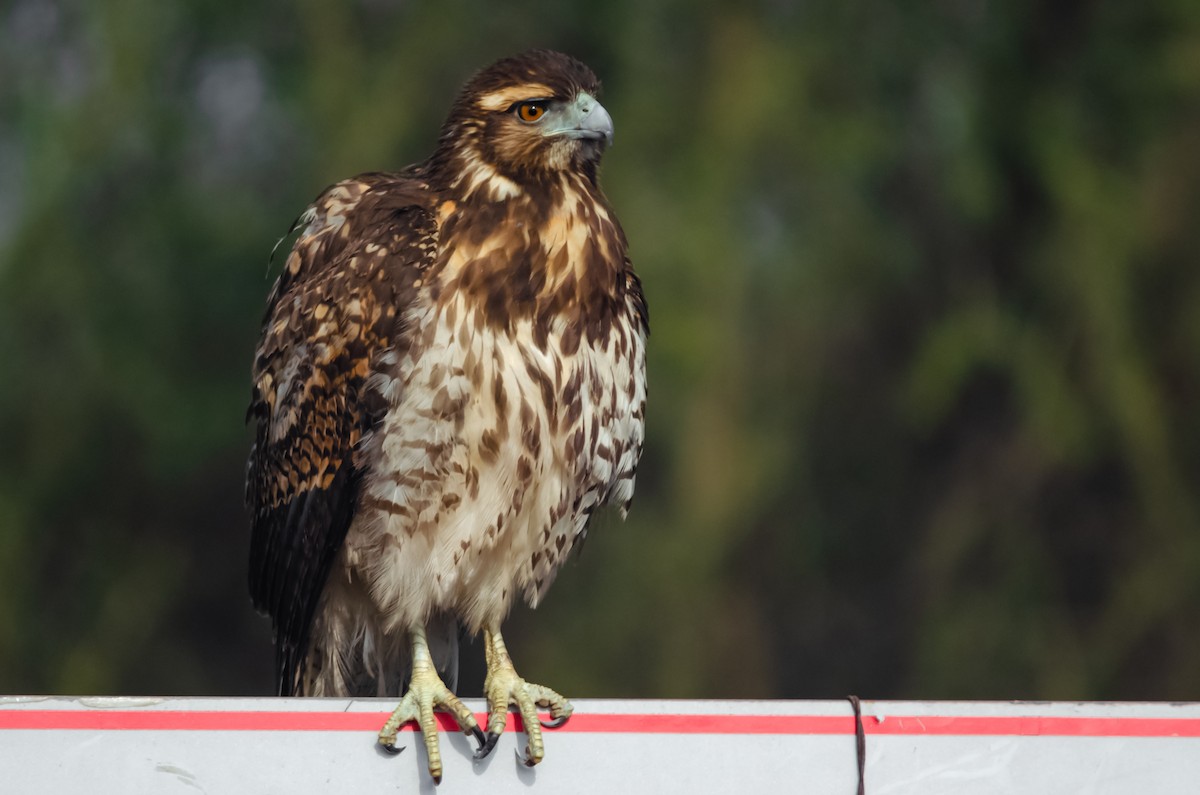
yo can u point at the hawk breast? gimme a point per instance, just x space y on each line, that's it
503 431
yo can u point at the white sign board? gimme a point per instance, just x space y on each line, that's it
191 745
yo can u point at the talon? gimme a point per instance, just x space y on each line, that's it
426 692
477 733
504 688
485 748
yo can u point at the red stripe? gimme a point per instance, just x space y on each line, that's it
163 720
1033 726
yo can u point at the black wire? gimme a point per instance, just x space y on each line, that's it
860 744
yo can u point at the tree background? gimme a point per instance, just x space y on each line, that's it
925 361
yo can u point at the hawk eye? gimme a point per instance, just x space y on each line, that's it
531 110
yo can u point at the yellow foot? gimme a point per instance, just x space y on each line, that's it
504 687
425 692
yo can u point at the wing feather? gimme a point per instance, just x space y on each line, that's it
333 312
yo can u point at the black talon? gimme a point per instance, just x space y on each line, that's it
390 748
486 748
477 733
554 724
525 760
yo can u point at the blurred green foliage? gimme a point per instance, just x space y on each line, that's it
925 366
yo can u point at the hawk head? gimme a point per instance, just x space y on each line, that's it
526 119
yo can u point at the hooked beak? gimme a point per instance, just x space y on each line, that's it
585 118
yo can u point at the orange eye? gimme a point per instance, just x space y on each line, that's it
531 111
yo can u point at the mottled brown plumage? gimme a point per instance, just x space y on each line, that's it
451 379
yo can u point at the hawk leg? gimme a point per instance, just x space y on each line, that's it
504 687
426 690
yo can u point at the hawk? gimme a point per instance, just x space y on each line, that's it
450 380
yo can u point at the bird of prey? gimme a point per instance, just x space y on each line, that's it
450 380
